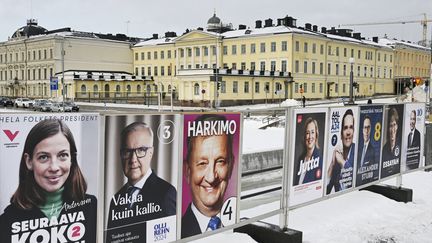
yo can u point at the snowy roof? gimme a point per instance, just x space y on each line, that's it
393 43
153 42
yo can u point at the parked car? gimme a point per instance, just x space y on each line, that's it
74 107
4 101
23 102
46 106
38 103
57 107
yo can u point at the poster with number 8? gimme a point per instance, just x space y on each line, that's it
210 171
141 158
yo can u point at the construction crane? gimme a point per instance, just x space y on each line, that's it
422 22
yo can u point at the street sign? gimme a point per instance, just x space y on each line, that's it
53 83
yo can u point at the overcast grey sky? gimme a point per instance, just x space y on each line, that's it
147 17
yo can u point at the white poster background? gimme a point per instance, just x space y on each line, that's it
420 126
85 129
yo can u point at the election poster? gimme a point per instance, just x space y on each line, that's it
369 149
308 144
210 171
141 166
413 138
342 136
49 170
391 151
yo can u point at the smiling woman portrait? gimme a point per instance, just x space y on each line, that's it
51 186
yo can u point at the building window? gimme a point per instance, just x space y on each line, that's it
313 48
365 72
284 66
155 71
344 70
243 66
169 70
196 89
213 50
337 69
234 50
252 67
337 88
142 55
95 88
149 56
169 54
305 87
352 52
359 54
273 66
45 54
313 68
223 87
39 55
344 88
313 87
296 66
136 56
253 48
83 89
246 87
358 71
262 47
136 71
345 52
149 71
205 51
138 88
273 47
234 65
128 89
385 57
329 68
321 49
162 71
243 49
305 47
296 87
189 52
162 55
320 87
284 46
337 51
197 51
235 87
51 54
329 50
305 67
371 72
297 46
257 87
262 65
142 71
225 50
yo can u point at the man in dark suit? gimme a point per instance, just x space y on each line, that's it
145 196
413 148
366 155
208 168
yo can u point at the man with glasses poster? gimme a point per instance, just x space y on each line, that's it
145 196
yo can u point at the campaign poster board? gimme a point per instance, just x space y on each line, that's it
37 154
210 171
341 149
369 140
392 150
308 143
413 138
141 177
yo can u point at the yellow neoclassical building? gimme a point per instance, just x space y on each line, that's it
269 62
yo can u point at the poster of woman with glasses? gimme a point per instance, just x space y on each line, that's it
141 157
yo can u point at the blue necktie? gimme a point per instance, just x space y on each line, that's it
214 223
130 191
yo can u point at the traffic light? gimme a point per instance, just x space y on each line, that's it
218 85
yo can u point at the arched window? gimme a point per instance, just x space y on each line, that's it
139 89
118 88
95 88
128 89
148 88
83 89
107 90
196 89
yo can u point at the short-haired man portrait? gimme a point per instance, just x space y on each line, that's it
208 168
145 196
343 157
413 143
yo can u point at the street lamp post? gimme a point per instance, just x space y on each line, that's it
351 100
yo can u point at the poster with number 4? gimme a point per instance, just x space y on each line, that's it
210 172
